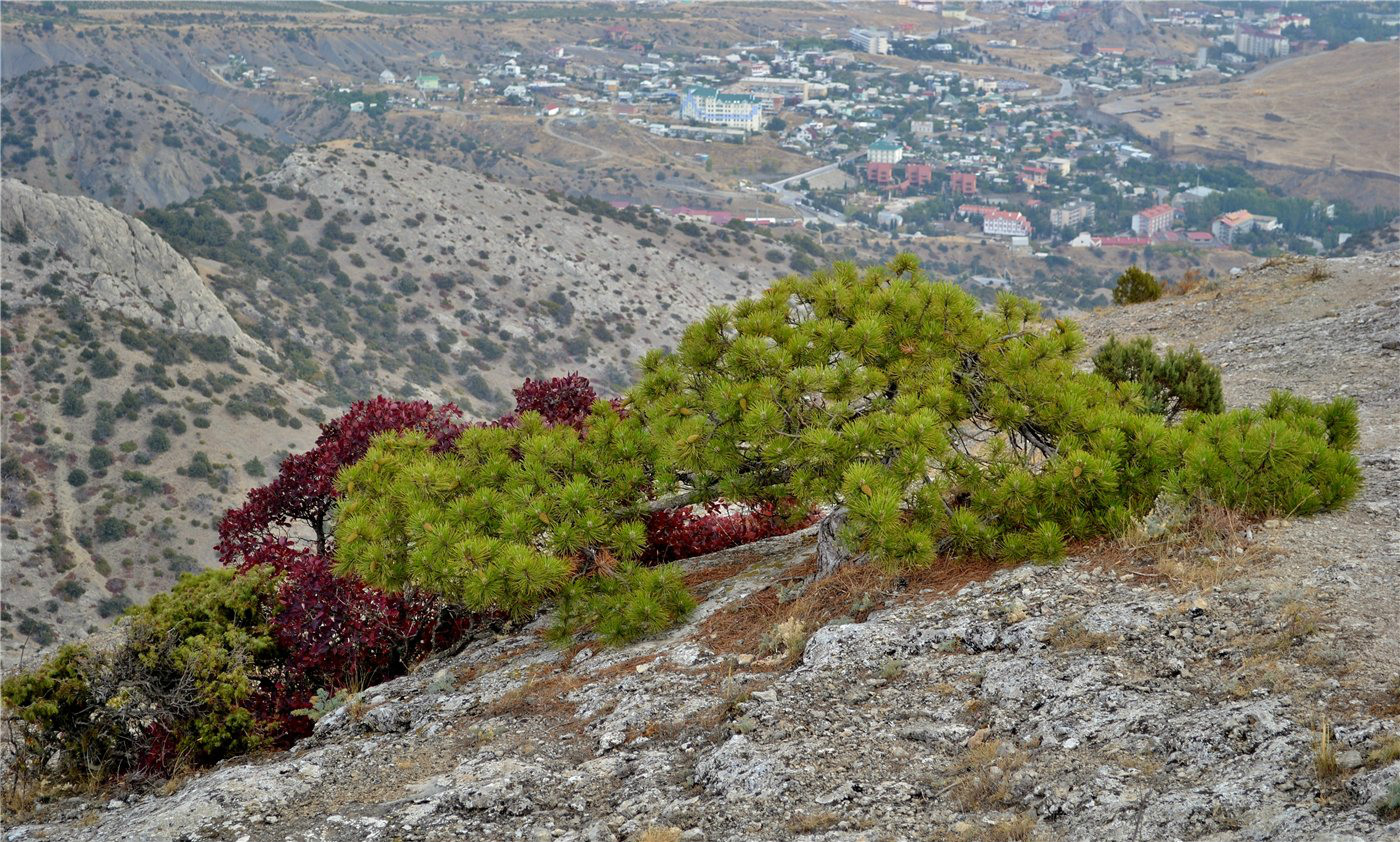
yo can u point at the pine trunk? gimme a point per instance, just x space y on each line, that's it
832 553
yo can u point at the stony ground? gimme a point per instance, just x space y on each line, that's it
1164 689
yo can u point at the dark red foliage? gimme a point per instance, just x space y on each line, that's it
334 631
162 750
564 401
689 531
338 631
304 490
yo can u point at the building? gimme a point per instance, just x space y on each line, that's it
885 151
1072 214
875 41
1228 226
1006 224
880 173
707 105
387 77
1191 196
963 183
1153 220
917 175
1034 176
427 82
921 128
1255 42
797 90
888 219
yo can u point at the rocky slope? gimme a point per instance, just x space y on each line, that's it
1157 689
483 283
120 366
111 262
138 148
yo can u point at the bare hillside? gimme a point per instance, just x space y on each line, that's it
137 148
344 274
122 372
425 279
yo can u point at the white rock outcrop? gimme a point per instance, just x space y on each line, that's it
114 262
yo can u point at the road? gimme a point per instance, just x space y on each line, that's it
599 153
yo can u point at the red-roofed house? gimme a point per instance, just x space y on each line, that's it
969 210
1033 176
1153 220
917 175
1228 226
879 173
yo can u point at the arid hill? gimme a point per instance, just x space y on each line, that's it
126 365
136 148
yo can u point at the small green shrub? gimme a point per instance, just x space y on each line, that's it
1135 286
183 673
1170 384
1291 457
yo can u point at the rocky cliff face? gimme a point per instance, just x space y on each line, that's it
1153 690
115 262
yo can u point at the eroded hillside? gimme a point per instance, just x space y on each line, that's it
137 148
343 274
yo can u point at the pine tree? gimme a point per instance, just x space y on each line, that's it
930 426
1173 383
1135 286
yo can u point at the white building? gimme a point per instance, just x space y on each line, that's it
387 77
1253 41
885 151
707 105
875 41
1072 214
1006 224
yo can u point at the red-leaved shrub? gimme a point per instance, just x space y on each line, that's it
560 401
336 631
689 531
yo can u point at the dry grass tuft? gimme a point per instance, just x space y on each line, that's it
788 638
1193 281
1325 754
1388 752
1070 633
1018 829
980 779
1315 274
660 834
804 823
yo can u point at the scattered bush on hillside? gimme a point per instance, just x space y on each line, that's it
1136 286
1170 384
